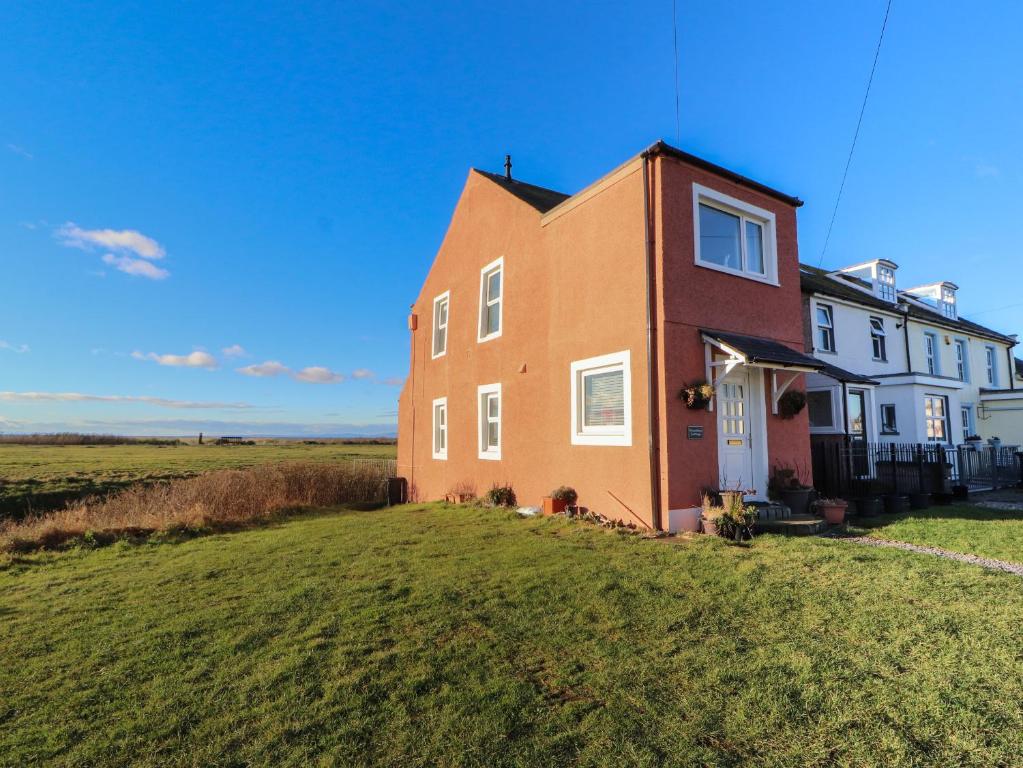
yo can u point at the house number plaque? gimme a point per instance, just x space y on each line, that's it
694 432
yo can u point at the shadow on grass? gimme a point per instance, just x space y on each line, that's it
950 512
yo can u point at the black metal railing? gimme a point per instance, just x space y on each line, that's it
847 468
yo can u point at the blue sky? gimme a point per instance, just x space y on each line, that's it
285 175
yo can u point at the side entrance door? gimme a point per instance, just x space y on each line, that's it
735 444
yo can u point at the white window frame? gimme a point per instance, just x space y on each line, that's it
886 284
931 358
836 422
439 452
991 364
746 212
946 418
895 419
948 303
878 339
483 420
581 435
444 298
497 265
962 354
830 310
966 411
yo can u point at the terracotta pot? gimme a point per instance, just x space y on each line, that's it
710 527
553 506
834 513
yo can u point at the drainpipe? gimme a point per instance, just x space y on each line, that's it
845 410
413 324
1012 367
652 393
905 335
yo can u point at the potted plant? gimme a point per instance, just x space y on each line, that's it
559 500
869 506
737 520
919 500
501 496
896 504
833 510
696 396
791 403
974 441
786 486
995 442
710 516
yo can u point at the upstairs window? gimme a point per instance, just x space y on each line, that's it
440 324
886 283
440 428
992 366
489 421
962 361
877 338
491 289
948 302
602 400
825 328
931 353
733 236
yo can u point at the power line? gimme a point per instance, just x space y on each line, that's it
674 32
856 134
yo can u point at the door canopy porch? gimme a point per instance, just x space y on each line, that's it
784 363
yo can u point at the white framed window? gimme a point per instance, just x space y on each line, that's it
488 408
962 360
886 283
931 353
602 400
440 428
734 236
491 301
825 328
936 418
948 302
889 423
967 411
821 409
992 366
440 324
877 339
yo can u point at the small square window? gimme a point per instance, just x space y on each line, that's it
602 400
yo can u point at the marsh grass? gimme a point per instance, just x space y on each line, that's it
218 500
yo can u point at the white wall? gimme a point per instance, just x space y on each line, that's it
854 350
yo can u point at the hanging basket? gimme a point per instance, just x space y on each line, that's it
791 403
697 396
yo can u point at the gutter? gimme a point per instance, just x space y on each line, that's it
654 436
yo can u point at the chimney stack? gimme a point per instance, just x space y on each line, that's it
507 167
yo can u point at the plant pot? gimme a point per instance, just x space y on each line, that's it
919 500
728 498
869 506
896 504
553 506
710 527
833 513
961 492
797 499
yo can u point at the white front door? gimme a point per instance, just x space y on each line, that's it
735 432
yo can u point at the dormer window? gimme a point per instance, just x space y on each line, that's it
885 283
948 302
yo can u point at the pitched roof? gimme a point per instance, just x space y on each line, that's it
541 198
814 280
759 350
841 374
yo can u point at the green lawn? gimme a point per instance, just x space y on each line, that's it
45 476
961 528
447 636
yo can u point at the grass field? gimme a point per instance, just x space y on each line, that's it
46 476
961 528
446 636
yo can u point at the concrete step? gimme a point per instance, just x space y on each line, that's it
771 510
794 525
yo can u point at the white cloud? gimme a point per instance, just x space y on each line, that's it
317 374
394 381
362 373
269 368
111 239
986 170
235 350
77 397
138 267
20 151
19 348
197 359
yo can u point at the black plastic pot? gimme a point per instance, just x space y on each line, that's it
919 500
896 504
797 499
869 506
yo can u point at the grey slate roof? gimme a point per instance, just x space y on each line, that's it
814 280
758 350
541 198
841 374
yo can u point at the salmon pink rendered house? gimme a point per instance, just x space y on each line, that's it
555 333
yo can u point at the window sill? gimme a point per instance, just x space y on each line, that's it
490 456
739 273
579 438
491 337
889 434
440 456
438 355
825 352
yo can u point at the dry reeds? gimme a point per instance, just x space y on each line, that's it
74 438
219 500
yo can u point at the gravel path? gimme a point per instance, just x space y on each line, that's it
983 562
